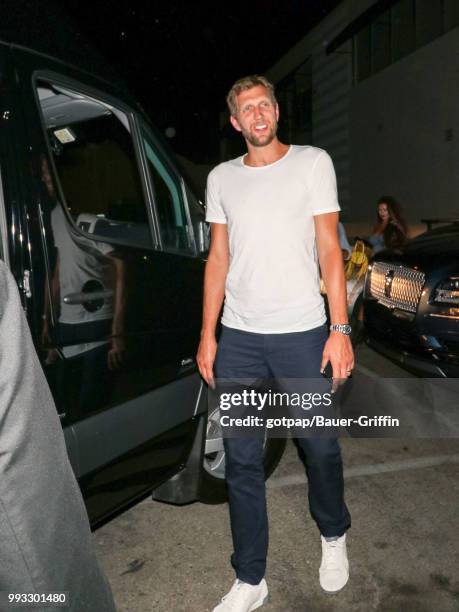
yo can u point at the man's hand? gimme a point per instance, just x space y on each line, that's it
45 333
338 351
51 353
206 357
115 354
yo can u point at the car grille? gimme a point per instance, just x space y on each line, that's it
396 286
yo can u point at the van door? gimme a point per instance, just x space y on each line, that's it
121 314
182 270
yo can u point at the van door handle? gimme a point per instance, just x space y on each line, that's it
83 297
187 362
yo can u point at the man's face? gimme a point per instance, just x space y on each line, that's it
257 116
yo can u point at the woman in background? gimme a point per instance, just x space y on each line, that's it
390 230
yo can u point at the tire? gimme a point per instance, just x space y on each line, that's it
213 484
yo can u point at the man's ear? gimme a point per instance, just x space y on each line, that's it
277 112
235 123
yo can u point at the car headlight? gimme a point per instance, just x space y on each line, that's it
367 283
447 291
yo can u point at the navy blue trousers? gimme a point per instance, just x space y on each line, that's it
247 355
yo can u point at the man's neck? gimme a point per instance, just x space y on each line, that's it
262 156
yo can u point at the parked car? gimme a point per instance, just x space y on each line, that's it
107 244
411 303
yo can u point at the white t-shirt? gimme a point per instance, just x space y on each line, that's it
272 284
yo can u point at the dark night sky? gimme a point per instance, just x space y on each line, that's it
179 58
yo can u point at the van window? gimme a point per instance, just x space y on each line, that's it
168 198
95 161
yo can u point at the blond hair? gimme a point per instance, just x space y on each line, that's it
245 83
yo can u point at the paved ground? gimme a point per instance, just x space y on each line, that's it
403 546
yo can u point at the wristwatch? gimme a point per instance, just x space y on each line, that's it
343 328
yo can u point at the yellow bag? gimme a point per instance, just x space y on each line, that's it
357 263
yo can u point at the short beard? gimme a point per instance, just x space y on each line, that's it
255 141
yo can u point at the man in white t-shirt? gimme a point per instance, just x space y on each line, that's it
274 218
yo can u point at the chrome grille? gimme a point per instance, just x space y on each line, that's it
396 286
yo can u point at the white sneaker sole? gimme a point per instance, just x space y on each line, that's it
259 603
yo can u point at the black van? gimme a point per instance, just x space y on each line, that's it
107 244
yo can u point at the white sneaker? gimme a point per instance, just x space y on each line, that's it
244 597
334 569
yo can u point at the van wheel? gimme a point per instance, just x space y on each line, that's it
213 485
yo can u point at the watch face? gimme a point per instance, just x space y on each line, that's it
344 328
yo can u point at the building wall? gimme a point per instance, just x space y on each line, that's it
404 130
331 82
394 133
331 86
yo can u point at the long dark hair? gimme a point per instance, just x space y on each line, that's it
393 237
394 209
